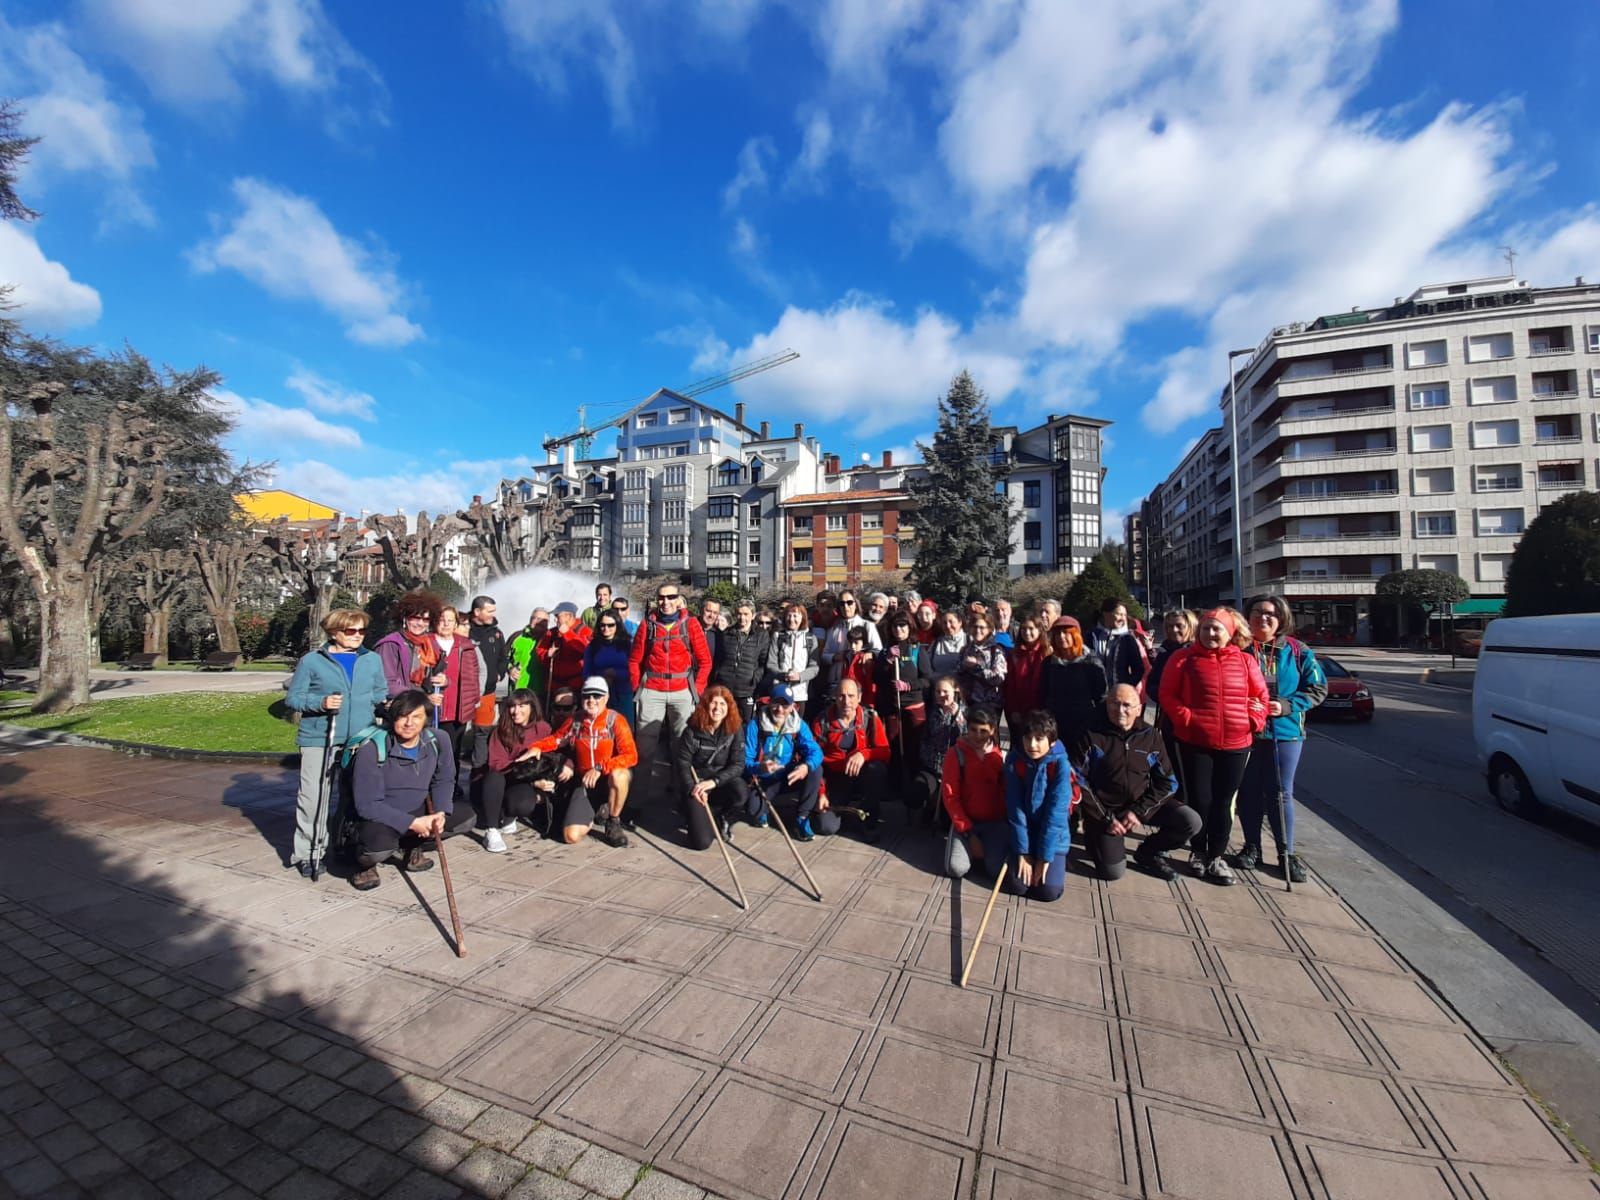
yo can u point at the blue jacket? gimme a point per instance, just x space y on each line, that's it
1039 802
392 792
317 675
791 744
1293 674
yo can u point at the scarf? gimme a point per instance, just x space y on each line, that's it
427 652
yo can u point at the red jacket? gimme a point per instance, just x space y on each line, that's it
1215 698
872 739
500 758
863 668
973 785
463 685
668 656
562 655
1024 677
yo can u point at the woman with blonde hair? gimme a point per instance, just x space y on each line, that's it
1216 698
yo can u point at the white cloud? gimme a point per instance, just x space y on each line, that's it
858 361
711 353
285 243
434 490
816 146
263 430
750 174
43 291
549 33
324 396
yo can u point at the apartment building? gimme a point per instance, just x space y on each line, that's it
1426 433
1187 522
1055 476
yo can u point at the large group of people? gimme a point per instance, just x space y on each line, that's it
1008 734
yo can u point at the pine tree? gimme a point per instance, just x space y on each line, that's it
963 522
1100 581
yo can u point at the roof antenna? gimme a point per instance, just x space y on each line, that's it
1511 259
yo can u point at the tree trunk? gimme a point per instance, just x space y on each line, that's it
64 662
321 605
222 616
157 622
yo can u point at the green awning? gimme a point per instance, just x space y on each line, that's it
1476 608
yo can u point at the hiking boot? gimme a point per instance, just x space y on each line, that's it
1297 868
760 819
802 830
493 842
1155 864
611 834
1219 872
725 827
418 860
365 879
871 830
1248 858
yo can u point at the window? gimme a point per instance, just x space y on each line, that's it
679 450
1086 487
801 524
802 556
1428 438
632 547
1487 347
728 475
719 508
720 543
1560 476
678 416
1492 568
1085 529
1430 395
872 556
646 420
1427 354
908 552
1507 478
1495 433
1030 535
674 546
836 556
1436 562
1436 524
634 512
755 514
1591 337
724 575
672 510
1433 481
872 520
634 480
837 522
1558 427
1499 522
1030 493
677 476
752 550
1594 381
1500 390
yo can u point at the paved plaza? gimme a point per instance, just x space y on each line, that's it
181 1016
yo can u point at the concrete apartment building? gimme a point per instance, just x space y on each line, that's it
1055 476
860 523
1426 433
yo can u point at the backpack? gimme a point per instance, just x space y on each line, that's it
344 833
379 736
677 632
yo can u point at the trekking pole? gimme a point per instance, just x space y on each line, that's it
716 832
317 845
793 849
449 891
1283 808
972 955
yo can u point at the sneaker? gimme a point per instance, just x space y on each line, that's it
365 879
1248 858
493 842
1155 864
418 860
611 834
761 819
802 830
1218 871
725 828
1297 869
509 828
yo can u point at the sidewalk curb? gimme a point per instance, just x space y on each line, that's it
45 737
1457 678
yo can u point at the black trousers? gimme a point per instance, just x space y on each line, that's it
501 800
728 800
1175 824
1211 780
378 841
863 790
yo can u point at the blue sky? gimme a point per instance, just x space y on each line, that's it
413 245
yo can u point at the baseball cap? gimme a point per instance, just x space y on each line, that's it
566 606
595 686
781 693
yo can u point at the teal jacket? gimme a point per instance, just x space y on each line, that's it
1294 675
318 675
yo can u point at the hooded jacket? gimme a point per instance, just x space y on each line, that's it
715 756
742 660
491 644
973 785
1121 652
464 669
944 653
1039 799
522 658
1294 676
1123 770
788 742
1216 699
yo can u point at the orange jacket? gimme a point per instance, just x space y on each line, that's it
603 744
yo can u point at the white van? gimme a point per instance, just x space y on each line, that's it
1536 714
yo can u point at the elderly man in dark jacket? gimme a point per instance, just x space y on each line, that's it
1130 783
741 658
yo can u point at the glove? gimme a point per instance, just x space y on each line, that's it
900 685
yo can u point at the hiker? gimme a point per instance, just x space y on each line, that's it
1114 643
946 724
561 649
855 757
1179 626
620 607
343 683
607 655
925 622
1024 690
1041 789
709 757
409 655
901 691
983 664
463 668
792 655
484 630
836 646
1128 782
944 652
1215 697
973 791
711 624
860 665
782 758
877 615
669 668
1072 683
524 669
517 780
742 660
602 603
393 773
592 786
1004 630
1295 685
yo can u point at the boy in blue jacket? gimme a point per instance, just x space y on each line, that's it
781 757
1041 789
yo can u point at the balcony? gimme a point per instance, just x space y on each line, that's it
1566 477
1555 385
1315 584
1498 483
1555 340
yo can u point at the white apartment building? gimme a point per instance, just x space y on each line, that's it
1427 433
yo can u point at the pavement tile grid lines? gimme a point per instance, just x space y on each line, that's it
205 1023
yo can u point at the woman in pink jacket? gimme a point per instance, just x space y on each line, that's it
1214 695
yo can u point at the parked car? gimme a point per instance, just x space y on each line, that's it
1469 643
1347 695
1534 719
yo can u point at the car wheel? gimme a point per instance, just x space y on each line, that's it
1511 789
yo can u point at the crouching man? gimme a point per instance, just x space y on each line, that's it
393 774
781 758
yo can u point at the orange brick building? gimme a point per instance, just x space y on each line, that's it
835 537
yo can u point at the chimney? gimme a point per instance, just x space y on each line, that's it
1578 282
888 458
477 499
799 432
766 431
831 466
738 412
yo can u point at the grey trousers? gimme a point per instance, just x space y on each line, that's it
315 766
662 717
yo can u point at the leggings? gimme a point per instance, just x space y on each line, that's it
1211 779
1259 796
502 801
727 800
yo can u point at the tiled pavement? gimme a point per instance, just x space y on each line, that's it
180 1016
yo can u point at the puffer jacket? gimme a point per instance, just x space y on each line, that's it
1294 676
1073 691
789 743
836 646
840 739
742 660
1040 794
983 673
792 650
1124 769
1216 699
669 656
1158 666
603 744
714 756
1025 676
464 669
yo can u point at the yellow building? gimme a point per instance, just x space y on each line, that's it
272 504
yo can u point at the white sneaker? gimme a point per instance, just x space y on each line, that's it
509 828
1218 871
493 842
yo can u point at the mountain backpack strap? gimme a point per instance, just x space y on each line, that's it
376 734
678 631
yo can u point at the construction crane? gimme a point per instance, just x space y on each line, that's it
584 434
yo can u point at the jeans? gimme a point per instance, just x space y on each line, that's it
1211 780
1175 824
662 716
1043 890
1259 796
995 838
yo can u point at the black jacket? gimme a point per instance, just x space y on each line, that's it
1124 769
912 664
1074 693
741 661
492 643
718 757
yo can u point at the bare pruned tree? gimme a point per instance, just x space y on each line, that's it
551 545
159 576
220 561
311 560
497 529
412 558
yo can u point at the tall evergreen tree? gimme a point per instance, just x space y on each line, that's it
14 147
963 521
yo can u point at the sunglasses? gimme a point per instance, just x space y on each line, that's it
848 603
673 596
358 629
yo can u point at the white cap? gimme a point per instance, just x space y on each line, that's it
595 686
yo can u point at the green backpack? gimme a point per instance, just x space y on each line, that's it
379 736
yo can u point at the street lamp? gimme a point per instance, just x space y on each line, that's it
1233 431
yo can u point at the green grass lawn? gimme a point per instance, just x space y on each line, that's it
192 721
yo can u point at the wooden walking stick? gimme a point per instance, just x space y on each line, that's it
716 832
449 891
972 955
793 849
